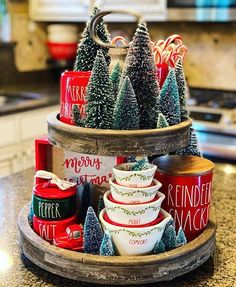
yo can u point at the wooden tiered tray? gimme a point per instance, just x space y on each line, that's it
120 270
116 142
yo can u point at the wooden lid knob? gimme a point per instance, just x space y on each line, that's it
179 165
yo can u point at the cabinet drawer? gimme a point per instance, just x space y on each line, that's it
8 131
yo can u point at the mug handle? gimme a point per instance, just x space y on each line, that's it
94 21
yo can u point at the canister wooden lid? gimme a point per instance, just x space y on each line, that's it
183 165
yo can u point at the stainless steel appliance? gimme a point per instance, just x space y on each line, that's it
214 118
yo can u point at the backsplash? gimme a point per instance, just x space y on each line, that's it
210 63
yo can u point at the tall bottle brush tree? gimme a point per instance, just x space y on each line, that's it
140 68
126 112
182 89
87 48
100 101
169 99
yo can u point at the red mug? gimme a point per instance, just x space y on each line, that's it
162 73
187 185
73 91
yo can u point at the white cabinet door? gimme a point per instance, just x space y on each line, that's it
59 10
8 130
28 154
10 160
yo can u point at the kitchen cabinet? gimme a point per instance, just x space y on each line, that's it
78 10
153 11
18 132
59 10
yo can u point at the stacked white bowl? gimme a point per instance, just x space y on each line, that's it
133 213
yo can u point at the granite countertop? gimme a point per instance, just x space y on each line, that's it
17 271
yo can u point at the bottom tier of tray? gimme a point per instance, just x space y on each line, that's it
118 270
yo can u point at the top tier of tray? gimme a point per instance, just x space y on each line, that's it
117 142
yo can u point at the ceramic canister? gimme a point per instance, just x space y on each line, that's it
73 90
51 203
49 229
187 185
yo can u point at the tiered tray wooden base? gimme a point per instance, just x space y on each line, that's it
116 270
116 142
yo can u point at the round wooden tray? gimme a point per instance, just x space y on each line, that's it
116 142
120 270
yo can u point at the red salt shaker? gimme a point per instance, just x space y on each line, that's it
187 185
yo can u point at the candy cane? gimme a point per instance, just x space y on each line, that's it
183 51
171 39
181 47
119 38
152 44
158 55
176 56
171 47
168 57
172 63
160 43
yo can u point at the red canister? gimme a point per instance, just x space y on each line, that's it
54 209
187 185
73 91
52 203
49 229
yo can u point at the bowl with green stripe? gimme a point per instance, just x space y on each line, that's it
125 176
133 195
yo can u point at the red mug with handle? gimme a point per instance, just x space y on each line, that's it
73 91
187 185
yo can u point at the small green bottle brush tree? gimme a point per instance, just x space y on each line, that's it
106 248
100 100
115 78
93 233
192 148
182 89
126 112
169 100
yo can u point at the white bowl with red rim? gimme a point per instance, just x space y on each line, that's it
126 177
134 195
133 214
135 240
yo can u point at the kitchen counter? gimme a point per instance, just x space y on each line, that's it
17 271
39 96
